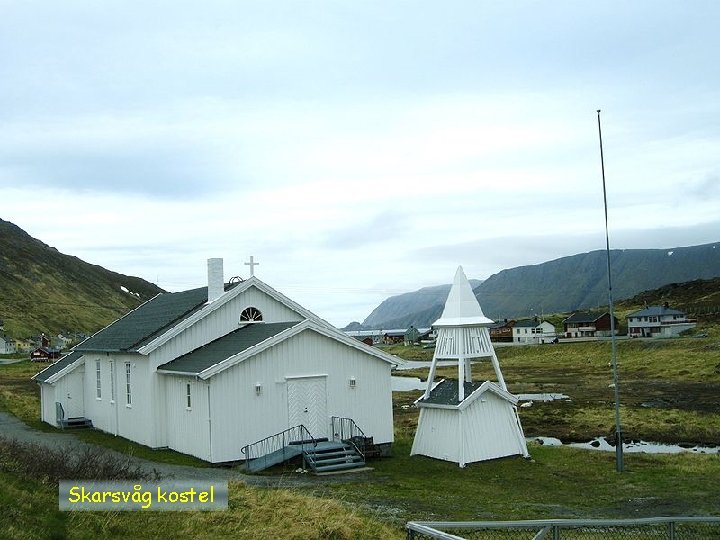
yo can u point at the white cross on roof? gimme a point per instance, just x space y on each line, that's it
252 264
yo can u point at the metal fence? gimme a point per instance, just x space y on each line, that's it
662 528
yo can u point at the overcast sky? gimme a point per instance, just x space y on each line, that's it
357 149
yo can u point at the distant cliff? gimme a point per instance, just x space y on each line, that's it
561 285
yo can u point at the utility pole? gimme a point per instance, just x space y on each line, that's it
619 462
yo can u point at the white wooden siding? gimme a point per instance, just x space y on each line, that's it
188 430
438 434
491 430
241 416
47 403
486 429
463 342
135 422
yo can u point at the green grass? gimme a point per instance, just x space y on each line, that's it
30 511
668 388
555 483
682 375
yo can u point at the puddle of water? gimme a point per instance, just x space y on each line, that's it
406 384
601 443
542 397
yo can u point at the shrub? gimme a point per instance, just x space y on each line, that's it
49 465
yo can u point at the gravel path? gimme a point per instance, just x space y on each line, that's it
13 428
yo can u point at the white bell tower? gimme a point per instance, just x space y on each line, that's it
455 424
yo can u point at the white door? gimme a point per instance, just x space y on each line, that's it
307 404
73 401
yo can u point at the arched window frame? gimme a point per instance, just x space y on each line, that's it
250 314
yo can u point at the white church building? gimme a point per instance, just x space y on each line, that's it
211 370
464 421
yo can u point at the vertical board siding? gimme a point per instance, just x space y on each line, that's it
136 422
438 434
188 430
486 429
491 429
458 342
69 391
240 416
47 403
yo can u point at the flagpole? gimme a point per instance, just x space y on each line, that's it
619 462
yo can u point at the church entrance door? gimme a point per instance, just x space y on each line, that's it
307 404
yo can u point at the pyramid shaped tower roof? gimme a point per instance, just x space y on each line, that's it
461 306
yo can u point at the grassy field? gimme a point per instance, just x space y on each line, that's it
668 388
669 392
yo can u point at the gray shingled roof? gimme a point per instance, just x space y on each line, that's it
235 342
446 392
51 370
527 323
584 316
655 311
147 321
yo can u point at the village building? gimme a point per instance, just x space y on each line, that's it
502 331
658 321
211 371
533 331
44 354
464 421
7 344
393 336
589 324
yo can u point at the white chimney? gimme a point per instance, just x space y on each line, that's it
216 281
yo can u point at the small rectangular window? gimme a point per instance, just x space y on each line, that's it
128 389
188 396
98 380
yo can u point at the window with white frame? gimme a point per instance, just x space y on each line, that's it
98 380
112 381
188 396
128 388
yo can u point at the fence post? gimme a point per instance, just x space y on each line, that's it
671 530
556 532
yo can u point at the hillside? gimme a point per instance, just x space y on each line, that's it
697 297
400 311
562 285
43 290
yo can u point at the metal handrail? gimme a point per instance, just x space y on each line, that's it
434 529
348 432
278 441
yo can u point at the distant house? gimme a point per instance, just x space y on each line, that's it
7 345
658 321
533 331
588 324
414 336
368 337
44 354
502 331
61 342
392 337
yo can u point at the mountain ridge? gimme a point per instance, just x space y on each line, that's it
44 290
561 285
